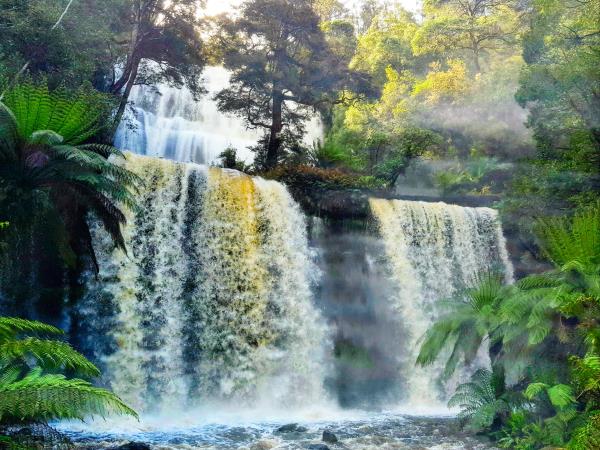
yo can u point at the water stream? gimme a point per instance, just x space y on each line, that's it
233 313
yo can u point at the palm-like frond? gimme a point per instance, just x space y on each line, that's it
42 137
74 117
39 397
567 240
32 386
11 327
479 403
471 318
49 355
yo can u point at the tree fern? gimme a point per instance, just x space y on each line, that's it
32 385
471 317
480 402
44 164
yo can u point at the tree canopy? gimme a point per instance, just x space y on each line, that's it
282 65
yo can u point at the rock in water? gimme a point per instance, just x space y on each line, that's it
133 446
318 447
291 428
329 437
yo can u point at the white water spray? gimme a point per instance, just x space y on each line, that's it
213 302
167 123
433 251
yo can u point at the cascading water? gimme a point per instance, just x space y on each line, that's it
213 301
433 251
165 122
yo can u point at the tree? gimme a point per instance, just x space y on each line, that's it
51 180
165 35
368 13
65 42
281 67
387 43
32 385
330 10
474 27
560 86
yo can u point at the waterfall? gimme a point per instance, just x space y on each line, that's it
433 250
213 300
165 121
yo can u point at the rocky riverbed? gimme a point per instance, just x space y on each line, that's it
380 431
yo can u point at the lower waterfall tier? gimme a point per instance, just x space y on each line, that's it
433 252
213 301
222 300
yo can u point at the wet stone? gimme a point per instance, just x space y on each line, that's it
318 447
133 446
291 428
329 437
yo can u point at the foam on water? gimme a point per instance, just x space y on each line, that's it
433 251
213 301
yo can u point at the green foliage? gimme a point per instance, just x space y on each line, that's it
32 386
229 160
482 403
47 169
559 85
314 178
387 43
543 334
471 318
78 50
587 435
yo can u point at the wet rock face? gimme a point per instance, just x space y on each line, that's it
329 437
291 428
132 446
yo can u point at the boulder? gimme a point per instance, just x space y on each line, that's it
132 446
329 437
291 428
318 447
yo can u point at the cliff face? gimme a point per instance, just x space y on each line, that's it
354 203
340 205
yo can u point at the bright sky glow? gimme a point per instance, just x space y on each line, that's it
223 6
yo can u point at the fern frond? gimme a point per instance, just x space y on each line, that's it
587 436
49 355
48 397
9 135
10 327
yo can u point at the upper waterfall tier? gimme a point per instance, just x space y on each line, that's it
168 123
213 300
433 251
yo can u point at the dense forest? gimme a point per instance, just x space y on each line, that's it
496 100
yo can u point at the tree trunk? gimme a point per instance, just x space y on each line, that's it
476 61
132 51
125 95
276 127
